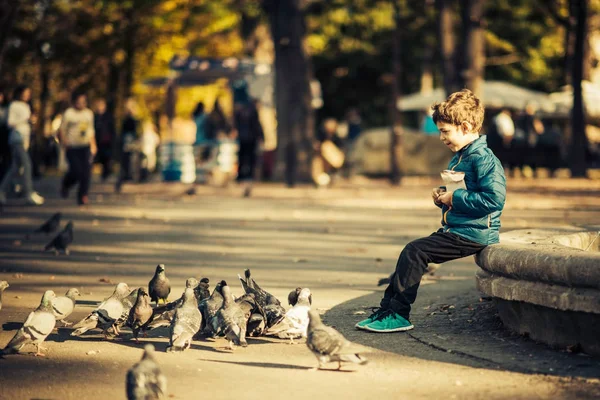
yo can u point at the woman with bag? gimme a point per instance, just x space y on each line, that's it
19 118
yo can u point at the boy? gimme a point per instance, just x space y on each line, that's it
470 218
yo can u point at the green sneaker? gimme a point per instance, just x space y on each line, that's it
389 321
372 317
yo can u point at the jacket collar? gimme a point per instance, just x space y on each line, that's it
474 145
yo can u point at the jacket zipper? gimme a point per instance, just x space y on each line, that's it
452 169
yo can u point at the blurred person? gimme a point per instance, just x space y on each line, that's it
329 156
354 124
149 142
19 122
532 127
428 127
78 138
104 125
249 133
502 135
203 145
129 136
4 133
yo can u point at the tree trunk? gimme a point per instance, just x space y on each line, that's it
447 46
129 47
8 9
286 19
395 117
474 52
578 137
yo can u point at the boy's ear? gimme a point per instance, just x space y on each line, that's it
466 127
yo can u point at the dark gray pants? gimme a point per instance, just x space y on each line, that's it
80 168
20 158
437 248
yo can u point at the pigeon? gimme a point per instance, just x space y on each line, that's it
159 286
106 314
62 241
51 225
255 315
145 380
329 345
202 289
163 315
232 319
140 313
293 297
269 303
295 323
128 303
209 308
3 285
36 328
186 322
63 306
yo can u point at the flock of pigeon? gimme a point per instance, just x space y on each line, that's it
198 313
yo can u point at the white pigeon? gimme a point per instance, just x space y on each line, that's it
107 313
295 323
63 306
35 330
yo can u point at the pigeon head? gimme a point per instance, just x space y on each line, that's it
72 293
69 226
47 299
191 283
160 269
148 352
3 285
293 296
305 297
205 280
314 319
142 292
122 290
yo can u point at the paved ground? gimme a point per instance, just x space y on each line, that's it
337 242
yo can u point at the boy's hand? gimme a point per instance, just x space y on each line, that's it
446 198
435 194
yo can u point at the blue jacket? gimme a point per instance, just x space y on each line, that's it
475 212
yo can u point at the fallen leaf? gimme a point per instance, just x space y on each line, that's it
379 259
17 243
106 280
52 278
92 352
95 222
299 260
18 275
359 313
17 297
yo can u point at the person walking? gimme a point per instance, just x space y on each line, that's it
104 126
78 138
129 136
4 132
18 122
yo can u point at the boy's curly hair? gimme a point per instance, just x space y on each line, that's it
459 107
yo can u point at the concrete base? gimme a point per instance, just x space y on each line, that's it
554 327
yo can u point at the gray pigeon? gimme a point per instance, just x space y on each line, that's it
293 297
255 315
36 328
145 380
163 315
295 323
209 308
269 303
62 241
140 313
329 345
63 306
159 286
186 322
202 290
3 285
106 314
51 225
128 303
231 319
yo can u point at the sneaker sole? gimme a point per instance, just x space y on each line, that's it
360 327
403 329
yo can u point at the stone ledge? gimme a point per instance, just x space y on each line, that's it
548 256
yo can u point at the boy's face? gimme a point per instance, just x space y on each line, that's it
456 136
